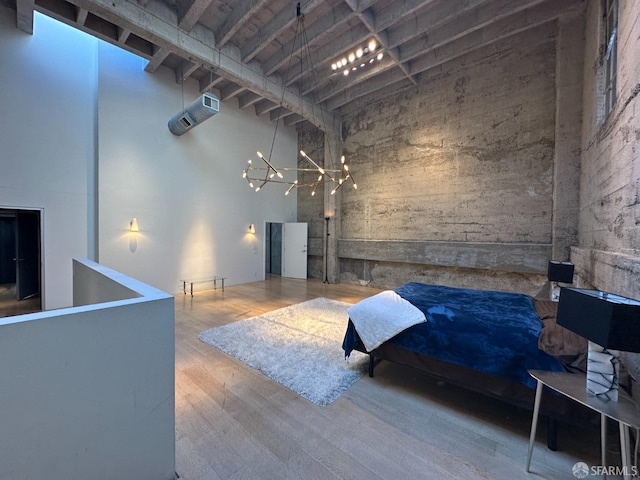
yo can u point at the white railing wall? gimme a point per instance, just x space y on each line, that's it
88 391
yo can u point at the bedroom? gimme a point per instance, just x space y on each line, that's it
181 192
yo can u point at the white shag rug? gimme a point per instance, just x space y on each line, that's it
299 347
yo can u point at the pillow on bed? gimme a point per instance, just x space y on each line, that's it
383 316
554 339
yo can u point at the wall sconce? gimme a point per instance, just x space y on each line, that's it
133 225
252 228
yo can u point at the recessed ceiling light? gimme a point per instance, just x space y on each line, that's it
346 72
372 45
352 57
359 53
379 57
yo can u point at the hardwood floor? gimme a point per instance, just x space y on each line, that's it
9 306
232 422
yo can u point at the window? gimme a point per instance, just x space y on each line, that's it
609 51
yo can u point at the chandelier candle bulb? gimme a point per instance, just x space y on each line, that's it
320 169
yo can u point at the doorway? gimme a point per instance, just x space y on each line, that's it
286 249
20 261
273 249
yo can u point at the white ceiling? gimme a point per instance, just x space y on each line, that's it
278 63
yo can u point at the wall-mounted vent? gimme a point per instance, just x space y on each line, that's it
207 105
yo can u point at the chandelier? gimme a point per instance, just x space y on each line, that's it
268 173
314 175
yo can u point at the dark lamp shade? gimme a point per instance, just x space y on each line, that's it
560 272
608 320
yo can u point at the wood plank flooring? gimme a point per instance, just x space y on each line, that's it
232 422
10 306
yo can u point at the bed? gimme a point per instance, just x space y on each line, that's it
483 340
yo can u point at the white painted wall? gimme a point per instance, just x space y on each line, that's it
192 205
77 113
89 392
46 134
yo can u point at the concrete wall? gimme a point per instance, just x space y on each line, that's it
88 392
311 207
608 254
456 175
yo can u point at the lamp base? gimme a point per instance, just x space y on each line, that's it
603 368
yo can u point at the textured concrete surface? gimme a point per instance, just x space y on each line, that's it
505 147
607 256
465 158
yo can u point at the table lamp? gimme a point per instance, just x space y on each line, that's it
611 323
559 272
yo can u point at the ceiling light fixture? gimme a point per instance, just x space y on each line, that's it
362 54
267 172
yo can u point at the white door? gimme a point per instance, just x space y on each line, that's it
294 250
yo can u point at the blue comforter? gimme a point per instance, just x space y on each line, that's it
492 332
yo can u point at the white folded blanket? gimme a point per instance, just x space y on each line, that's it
383 316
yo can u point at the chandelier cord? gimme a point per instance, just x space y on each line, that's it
314 82
273 173
300 18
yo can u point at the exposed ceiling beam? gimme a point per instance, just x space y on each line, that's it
158 57
424 22
402 9
314 34
265 106
438 22
508 26
185 70
422 34
434 19
285 18
230 91
367 17
246 99
123 35
366 88
81 17
24 11
190 11
239 15
292 120
209 81
341 82
158 24
332 51
491 34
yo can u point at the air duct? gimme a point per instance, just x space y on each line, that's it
207 105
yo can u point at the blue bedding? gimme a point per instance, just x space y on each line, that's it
488 331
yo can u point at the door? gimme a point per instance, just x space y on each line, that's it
7 248
294 250
27 254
